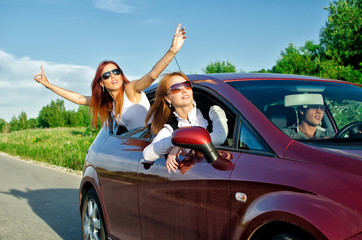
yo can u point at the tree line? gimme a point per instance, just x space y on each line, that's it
51 116
337 55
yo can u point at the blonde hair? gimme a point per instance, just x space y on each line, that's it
160 108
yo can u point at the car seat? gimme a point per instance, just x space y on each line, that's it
281 116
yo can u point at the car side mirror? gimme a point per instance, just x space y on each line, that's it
195 138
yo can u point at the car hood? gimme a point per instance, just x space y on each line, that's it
355 153
346 148
344 157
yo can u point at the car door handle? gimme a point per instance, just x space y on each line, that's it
241 197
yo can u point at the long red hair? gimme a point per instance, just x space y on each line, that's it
101 101
160 107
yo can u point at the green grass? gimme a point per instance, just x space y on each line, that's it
65 147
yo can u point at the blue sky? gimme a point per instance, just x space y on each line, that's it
70 38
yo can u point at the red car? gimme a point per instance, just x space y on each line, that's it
261 184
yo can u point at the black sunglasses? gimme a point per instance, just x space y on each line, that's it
115 71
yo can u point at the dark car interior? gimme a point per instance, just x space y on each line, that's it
269 99
281 116
204 101
284 117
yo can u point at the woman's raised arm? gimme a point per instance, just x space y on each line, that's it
69 95
177 42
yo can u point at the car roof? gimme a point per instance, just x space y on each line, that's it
228 77
234 77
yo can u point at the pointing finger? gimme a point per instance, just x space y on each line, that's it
178 28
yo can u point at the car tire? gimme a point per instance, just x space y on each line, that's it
92 217
290 236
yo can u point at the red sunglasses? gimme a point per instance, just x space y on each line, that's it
178 87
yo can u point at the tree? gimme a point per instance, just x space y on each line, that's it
52 115
308 60
4 126
32 123
14 124
341 36
302 61
338 56
23 121
219 67
84 116
70 118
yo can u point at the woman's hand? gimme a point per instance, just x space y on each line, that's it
41 78
171 162
178 39
135 87
71 96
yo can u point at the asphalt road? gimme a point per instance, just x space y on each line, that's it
38 202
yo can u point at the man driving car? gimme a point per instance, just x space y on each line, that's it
310 118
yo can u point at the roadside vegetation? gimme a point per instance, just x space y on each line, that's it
65 147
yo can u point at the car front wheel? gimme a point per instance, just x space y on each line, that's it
92 217
292 236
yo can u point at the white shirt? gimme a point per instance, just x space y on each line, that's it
133 114
162 144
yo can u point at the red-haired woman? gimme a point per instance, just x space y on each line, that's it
175 107
112 93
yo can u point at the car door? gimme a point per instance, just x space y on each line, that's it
246 182
193 203
117 164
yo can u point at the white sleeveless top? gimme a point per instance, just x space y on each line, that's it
133 114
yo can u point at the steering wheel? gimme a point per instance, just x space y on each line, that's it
349 127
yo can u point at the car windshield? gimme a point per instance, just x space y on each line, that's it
332 109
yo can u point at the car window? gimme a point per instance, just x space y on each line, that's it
245 138
344 111
141 132
205 99
248 140
287 103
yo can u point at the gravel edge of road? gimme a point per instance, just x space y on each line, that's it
46 165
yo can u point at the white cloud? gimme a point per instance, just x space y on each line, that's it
20 93
118 6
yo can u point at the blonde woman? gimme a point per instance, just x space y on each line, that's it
175 107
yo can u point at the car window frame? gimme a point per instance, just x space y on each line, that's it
267 149
239 119
220 101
